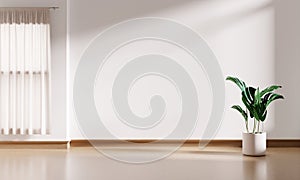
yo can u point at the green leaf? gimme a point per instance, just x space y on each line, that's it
266 98
243 112
261 110
241 84
264 116
248 105
269 89
249 93
256 111
273 97
257 98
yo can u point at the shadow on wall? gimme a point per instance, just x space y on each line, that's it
287 64
213 25
109 15
143 7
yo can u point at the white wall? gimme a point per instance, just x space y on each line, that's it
287 55
58 65
256 40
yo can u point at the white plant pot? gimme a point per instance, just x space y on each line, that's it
254 144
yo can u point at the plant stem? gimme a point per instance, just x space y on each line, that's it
247 127
258 126
254 127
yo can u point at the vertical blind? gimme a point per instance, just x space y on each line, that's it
25 69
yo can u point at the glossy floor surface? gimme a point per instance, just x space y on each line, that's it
85 163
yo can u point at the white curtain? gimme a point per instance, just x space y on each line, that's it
25 70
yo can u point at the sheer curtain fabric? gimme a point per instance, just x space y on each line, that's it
25 69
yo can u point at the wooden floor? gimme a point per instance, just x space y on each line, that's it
188 163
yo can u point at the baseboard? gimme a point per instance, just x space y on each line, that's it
34 144
86 143
283 143
225 143
213 143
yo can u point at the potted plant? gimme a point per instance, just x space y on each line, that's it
256 103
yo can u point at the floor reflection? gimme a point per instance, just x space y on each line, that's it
254 168
32 164
187 163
